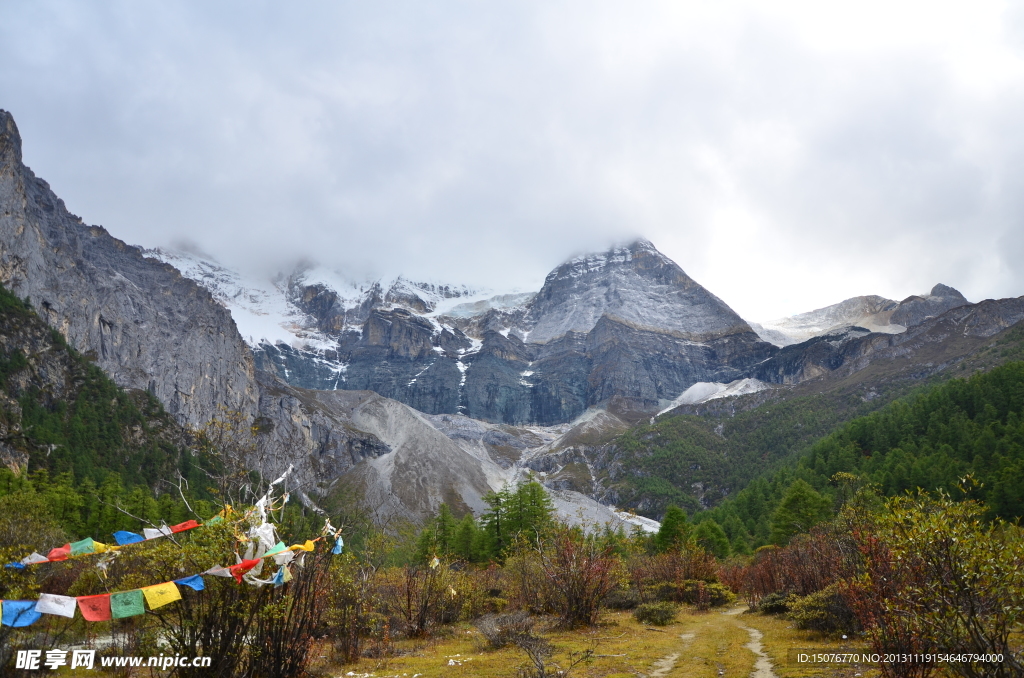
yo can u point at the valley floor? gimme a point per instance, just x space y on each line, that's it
713 645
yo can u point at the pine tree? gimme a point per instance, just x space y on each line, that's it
467 539
710 536
438 536
674 530
800 509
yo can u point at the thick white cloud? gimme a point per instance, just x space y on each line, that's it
786 155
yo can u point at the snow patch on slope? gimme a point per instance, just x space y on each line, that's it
870 312
260 307
703 391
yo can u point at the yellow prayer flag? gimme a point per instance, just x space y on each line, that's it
161 594
308 546
100 548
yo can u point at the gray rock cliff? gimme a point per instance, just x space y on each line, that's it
145 324
626 323
402 465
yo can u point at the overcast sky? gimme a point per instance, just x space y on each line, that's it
787 156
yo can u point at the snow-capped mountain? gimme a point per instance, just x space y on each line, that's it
625 323
873 313
309 306
636 286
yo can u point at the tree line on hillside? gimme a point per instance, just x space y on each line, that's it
930 441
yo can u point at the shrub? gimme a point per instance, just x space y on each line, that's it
578 574
622 599
701 594
503 629
777 603
419 598
808 564
695 592
939 576
658 614
826 611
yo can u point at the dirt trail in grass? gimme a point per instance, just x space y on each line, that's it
717 625
763 665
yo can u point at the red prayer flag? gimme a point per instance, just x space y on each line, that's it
95 608
238 570
181 527
60 553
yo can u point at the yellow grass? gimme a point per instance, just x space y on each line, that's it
698 645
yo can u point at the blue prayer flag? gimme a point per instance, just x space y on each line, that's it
123 538
338 545
16 566
195 582
19 613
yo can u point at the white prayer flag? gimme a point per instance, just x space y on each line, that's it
34 558
50 603
151 533
284 557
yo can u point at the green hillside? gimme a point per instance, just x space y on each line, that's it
698 460
930 440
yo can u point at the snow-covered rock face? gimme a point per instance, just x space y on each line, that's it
634 285
626 323
869 312
703 391
873 313
311 306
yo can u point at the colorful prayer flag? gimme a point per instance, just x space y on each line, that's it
284 557
195 582
278 548
159 595
19 613
181 527
126 604
154 533
338 546
308 546
50 603
34 559
124 538
95 608
241 568
81 548
59 553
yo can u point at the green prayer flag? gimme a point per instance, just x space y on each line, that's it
127 604
83 547
277 549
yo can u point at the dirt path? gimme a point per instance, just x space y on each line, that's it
718 625
661 668
763 665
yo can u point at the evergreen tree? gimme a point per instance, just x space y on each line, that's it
438 537
712 538
674 530
800 509
467 539
526 510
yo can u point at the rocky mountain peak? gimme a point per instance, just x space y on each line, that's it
138 319
10 140
944 291
635 285
914 310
